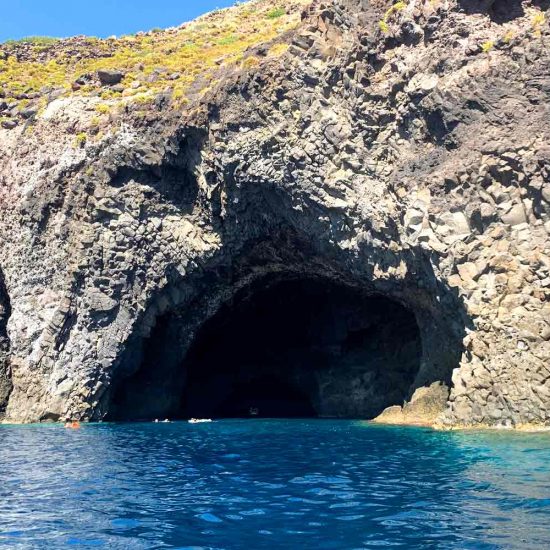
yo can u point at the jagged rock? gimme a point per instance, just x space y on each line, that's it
100 302
28 113
513 214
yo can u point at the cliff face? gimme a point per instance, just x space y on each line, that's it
396 154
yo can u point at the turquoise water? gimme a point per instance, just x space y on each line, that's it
272 484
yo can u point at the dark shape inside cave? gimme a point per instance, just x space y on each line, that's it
295 348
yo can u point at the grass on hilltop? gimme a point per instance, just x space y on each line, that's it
35 40
155 61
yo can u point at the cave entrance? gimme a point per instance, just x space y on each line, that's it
286 348
302 348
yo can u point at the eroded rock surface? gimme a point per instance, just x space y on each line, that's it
412 164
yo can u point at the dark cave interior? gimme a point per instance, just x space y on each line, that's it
290 348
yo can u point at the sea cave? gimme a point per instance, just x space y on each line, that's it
289 348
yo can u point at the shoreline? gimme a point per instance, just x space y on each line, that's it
435 426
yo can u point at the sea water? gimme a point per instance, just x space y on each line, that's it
251 484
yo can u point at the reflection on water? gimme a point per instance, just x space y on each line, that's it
272 483
510 480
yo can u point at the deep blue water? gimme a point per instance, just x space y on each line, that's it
272 484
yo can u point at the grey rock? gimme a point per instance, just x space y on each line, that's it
29 112
110 78
9 124
513 214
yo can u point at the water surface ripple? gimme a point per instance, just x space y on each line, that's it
272 484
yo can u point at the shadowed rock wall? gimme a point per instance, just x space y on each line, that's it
5 372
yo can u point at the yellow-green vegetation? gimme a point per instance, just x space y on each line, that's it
384 22
80 140
384 26
275 13
508 37
102 108
278 49
487 46
34 40
175 59
539 19
251 62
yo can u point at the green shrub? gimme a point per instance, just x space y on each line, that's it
102 108
231 39
35 40
487 46
275 13
397 7
80 140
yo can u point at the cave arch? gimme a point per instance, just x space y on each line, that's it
296 346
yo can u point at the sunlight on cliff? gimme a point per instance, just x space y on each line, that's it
174 59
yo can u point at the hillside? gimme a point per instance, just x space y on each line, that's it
182 62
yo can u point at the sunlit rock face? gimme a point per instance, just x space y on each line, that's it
385 196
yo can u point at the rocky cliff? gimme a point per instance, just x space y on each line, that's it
396 152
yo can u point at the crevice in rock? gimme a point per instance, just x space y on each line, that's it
5 372
503 11
69 321
172 178
176 185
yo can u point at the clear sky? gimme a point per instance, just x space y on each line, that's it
102 18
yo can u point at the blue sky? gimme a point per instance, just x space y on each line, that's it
100 18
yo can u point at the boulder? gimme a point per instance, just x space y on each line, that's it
9 124
110 78
514 214
30 112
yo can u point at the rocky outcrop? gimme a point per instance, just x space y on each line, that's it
407 159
